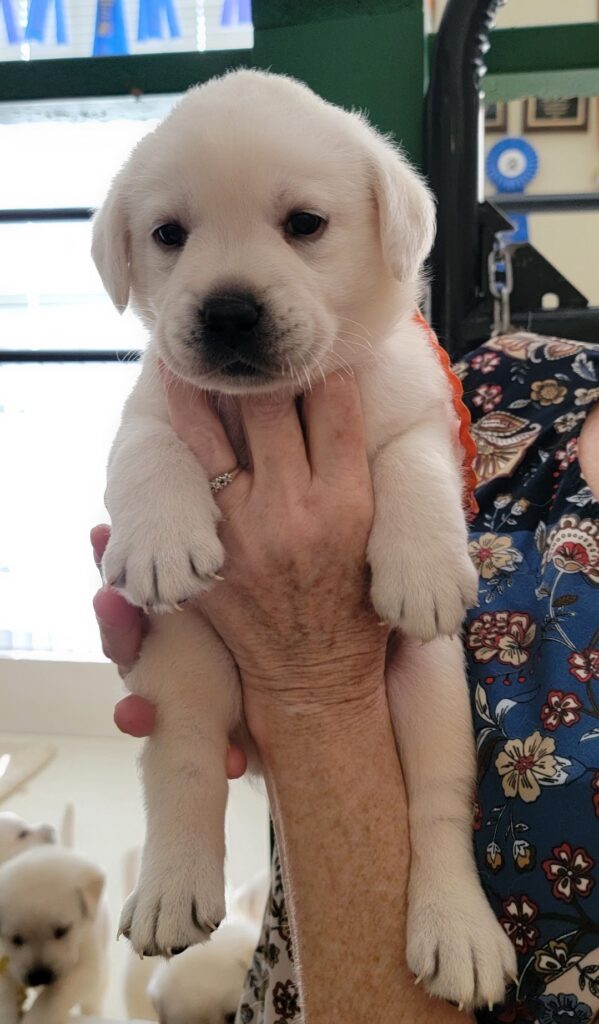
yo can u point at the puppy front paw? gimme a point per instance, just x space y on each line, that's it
164 563
457 947
171 910
424 588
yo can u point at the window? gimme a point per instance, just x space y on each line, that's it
64 365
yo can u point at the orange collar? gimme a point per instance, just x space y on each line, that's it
467 442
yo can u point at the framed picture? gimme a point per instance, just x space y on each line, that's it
561 115
496 117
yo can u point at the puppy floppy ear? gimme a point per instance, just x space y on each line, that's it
406 211
111 245
90 889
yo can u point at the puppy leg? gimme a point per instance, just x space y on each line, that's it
454 940
188 673
422 576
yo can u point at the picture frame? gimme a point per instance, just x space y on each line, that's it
551 115
496 116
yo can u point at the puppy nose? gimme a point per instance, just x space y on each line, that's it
40 976
230 314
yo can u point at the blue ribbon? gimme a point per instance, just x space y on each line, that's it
110 38
12 26
38 15
236 12
150 19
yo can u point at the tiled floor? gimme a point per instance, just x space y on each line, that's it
99 776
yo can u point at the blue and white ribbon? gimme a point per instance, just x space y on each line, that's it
110 38
12 25
236 12
151 14
38 17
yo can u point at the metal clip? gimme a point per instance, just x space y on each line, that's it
501 284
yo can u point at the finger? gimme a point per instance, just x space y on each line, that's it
197 424
122 627
236 762
275 438
99 536
135 716
335 428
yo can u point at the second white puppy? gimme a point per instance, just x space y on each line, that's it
54 930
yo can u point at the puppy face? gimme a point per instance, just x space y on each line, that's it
16 836
266 236
48 902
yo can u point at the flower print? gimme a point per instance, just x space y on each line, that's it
563 424
561 709
522 345
552 960
518 914
487 396
485 362
584 396
460 369
584 665
548 392
566 456
568 870
524 855
524 764
595 788
502 500
492 553
285 1000
520 506
558 1009
477 817
502 440
573 546
494 857
502 635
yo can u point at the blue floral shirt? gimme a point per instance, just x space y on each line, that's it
533 657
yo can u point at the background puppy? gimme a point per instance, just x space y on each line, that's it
54 928
16 836
268 238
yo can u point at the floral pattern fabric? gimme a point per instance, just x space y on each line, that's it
532 647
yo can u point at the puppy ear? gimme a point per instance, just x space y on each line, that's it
90 889
406 211
111 245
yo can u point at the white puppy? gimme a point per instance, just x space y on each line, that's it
53 928
266 237
16 836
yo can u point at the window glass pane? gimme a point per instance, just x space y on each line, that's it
86 28
57 422
51 296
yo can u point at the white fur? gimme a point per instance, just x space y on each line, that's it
230 164
204 984
45 889
17 836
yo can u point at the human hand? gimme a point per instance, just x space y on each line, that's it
122 629
293 606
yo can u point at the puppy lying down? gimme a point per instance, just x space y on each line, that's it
266 237
53 932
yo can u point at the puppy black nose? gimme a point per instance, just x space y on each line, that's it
40 976
230 314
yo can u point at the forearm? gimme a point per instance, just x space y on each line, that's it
340 814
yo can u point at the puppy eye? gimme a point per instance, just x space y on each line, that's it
304 223
18 940
171 235
23 834
59 933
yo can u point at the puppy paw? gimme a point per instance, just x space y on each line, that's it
168 913
457 948
424 590
165 563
